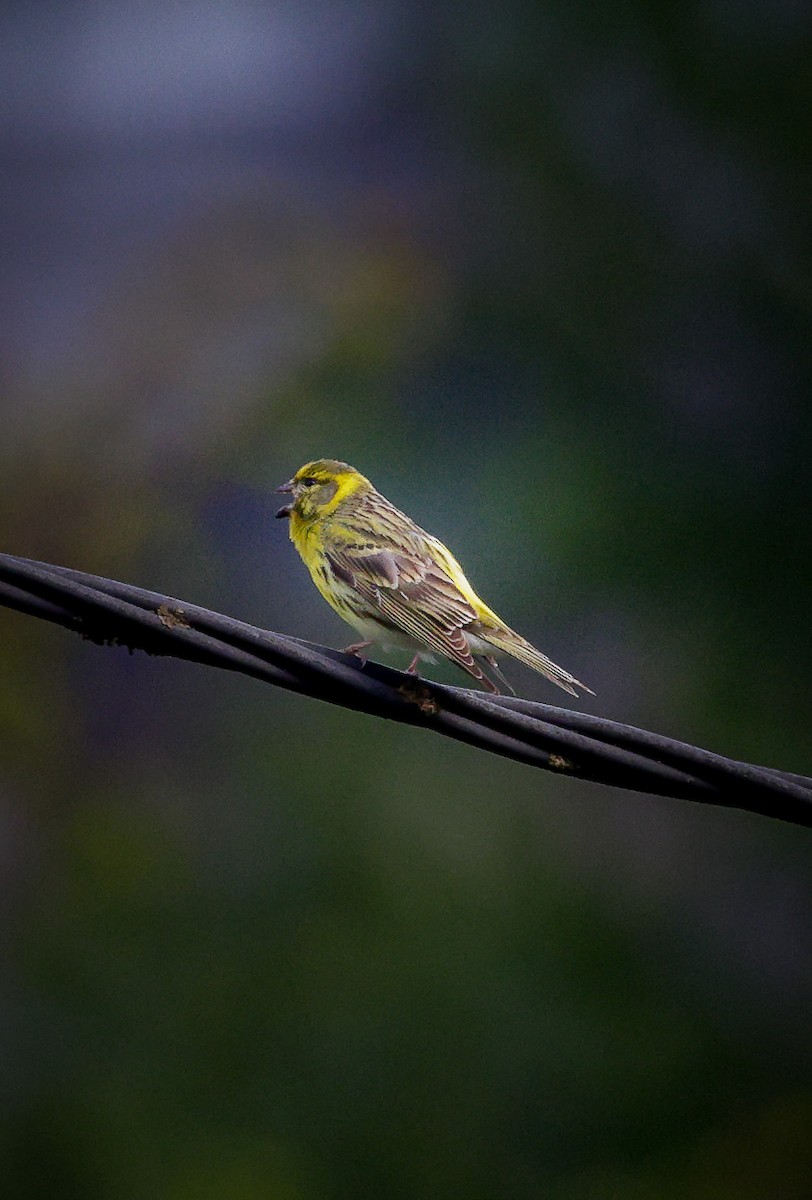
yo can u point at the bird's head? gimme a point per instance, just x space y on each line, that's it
318 488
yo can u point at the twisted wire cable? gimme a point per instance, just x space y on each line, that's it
560 740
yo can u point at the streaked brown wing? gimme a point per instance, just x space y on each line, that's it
410 590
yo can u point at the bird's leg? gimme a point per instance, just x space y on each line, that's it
356 648
412 667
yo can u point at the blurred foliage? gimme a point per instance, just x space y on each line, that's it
540 273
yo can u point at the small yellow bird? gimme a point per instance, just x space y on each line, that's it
395 583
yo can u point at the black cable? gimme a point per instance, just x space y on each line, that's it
560 740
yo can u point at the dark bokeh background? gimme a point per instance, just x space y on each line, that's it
539 270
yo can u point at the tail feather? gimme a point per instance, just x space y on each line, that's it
514 644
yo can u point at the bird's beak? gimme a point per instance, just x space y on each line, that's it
286 508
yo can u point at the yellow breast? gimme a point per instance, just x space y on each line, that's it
307 537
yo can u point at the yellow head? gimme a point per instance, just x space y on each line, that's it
319 487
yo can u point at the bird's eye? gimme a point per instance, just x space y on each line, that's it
309 482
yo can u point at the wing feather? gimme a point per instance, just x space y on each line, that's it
409 580
402 583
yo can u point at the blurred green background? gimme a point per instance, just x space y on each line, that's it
539 271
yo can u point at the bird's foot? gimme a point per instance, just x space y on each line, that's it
412 667
356 649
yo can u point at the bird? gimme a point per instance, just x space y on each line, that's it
397 585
